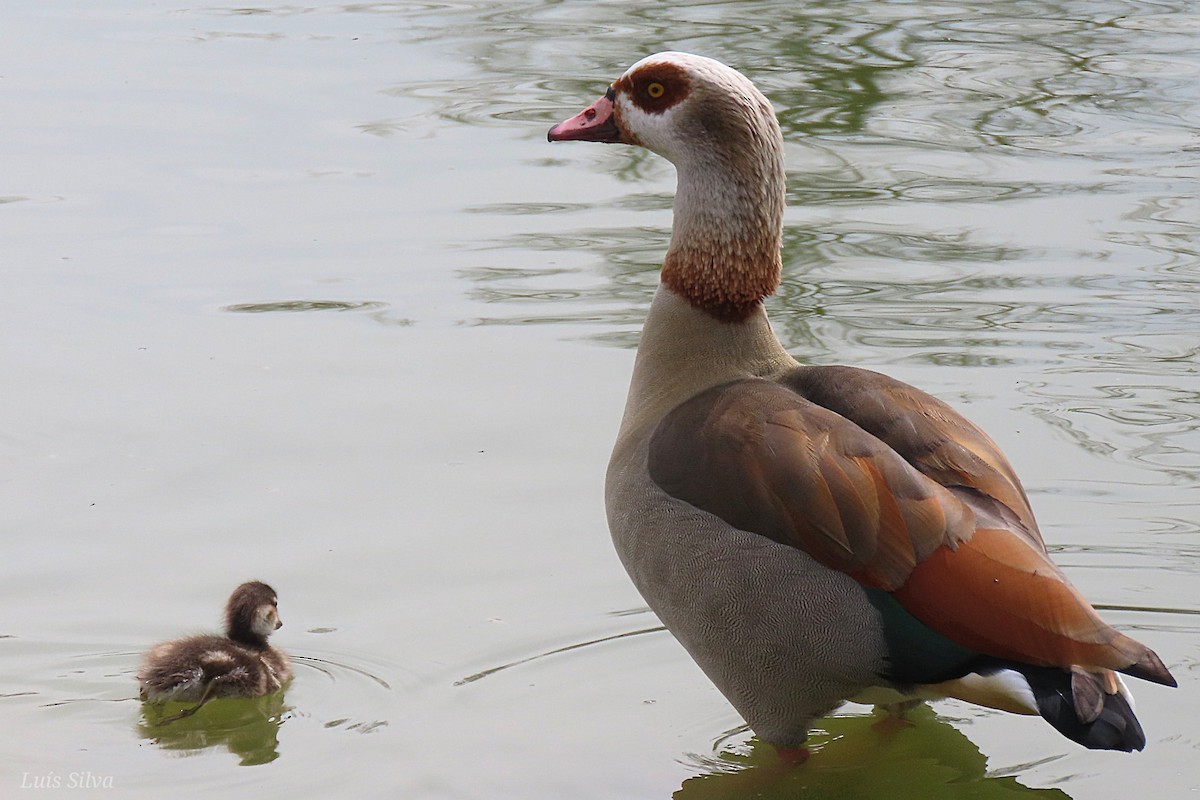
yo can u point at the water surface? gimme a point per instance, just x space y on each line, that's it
301 293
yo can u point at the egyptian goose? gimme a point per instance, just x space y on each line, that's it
239 664
813 534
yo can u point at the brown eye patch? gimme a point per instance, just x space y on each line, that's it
655 87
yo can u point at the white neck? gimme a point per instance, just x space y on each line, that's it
726 236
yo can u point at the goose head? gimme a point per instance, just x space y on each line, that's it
252 614
721 134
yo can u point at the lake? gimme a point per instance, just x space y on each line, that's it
301 293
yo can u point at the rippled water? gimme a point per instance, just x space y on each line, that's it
302 293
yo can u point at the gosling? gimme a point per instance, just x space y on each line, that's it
239 664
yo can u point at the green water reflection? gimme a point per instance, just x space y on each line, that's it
865 758
248 729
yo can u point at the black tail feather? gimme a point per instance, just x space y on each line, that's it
1111 727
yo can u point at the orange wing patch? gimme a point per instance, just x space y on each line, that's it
998 595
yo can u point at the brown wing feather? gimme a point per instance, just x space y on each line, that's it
880 488
768 461
923 430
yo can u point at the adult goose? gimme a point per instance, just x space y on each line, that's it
813 534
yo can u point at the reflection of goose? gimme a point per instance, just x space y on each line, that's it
239 664
806 532
857 758
249 729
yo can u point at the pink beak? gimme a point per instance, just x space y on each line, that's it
594 124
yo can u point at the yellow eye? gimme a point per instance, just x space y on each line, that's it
655 90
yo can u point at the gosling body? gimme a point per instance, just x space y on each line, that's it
239 664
